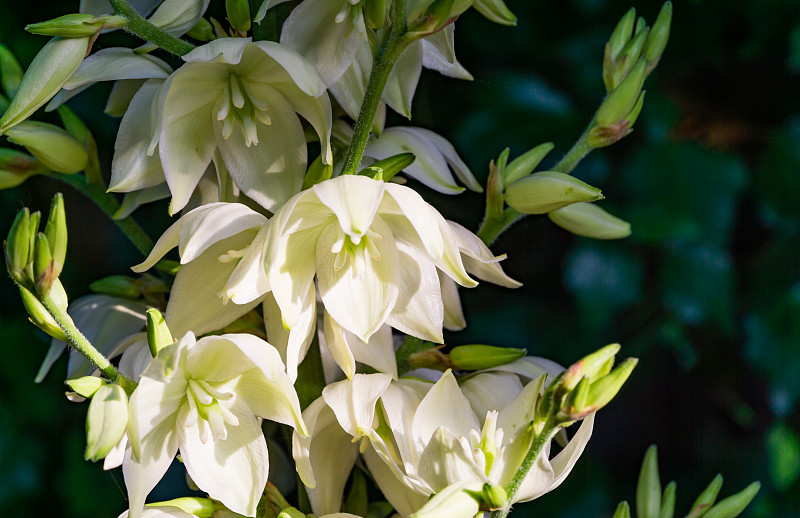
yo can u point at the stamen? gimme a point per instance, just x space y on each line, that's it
227 128
340 16
236 92
249 130
225 109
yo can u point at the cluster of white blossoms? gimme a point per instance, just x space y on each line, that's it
310 293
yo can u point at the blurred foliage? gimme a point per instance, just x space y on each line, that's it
706 292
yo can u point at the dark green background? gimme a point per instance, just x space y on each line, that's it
706 292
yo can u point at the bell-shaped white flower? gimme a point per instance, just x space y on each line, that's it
204 397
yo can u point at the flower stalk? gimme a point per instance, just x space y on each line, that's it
140 27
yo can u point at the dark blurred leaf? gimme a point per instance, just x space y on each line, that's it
783 449
777 181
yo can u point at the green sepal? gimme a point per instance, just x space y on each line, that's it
388 167
56 232
85 386
317 172
734 505
238 14
526 163
706 499
158 334
477 356
648 489
10 71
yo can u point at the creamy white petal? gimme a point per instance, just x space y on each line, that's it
479 260
438 54
404 499
211 223
353 401
403 79
133 200
117 63
178 16
221 50
453 313
316 110
141 476
354 200
455 162
446 460
249 280
378 353
292 345
491 391
338 346
300 69
351 86
119 99
445 405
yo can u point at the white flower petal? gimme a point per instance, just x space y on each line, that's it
119 99
338 346
404 500
178 16
249 280
117 63
479 260
403 79
439 54
354 200
453 313
445 405
445 461
221 50
378 353
211 223
133 200
351 86
353 401
491 391
317 111
300 69
141 476
292 345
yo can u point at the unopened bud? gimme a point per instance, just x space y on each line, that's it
375 13
574 406
85 386
623 510
626 60
648 489
50 69
668 501
199 507
291 512
475 356
10 71
589 220
658 37
496 11
388 167
158 334
622 99
494 497
56 232
734 505
202 30
238 14
40 317
604 389
16 167
597 364
17 247
76 25
117 286
106 421
549 190
43 270
707 498
52 146
622 32
317 172
460 499
525 164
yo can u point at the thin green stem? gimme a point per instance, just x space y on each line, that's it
491 228
97 193
389 52
577 152
140 27
80 343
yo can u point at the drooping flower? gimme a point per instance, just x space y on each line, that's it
204 397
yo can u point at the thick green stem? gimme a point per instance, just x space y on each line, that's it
491 228
389 52
79 342
547 433
97 193
140 27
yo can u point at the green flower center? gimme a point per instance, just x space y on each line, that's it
208 409
353 251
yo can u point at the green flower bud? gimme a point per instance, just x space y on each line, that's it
40 317
494 497
16 167
648 490
10 72
375 13
734 505
621 101
388 167
56 232
52 146
85 386
641 26
604 389
622 32
589 220
496 11
33 231
106 421
658 37
524 164
50 69
158 334
43 269
668 501
549 190
117 286
476 356
291 512
76 25
73 124
707 498
238 14
202 31
592 366
200 507
317 172
574 405
17 247
623 510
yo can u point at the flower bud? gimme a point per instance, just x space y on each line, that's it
494 497
202 31
56 232
17 247
622 32
50 69
317 172
496 11
592 366
621 101
658 37
648 489
16 167
200 507
707 498
10 71
475 356
291 512
106 421
604 389
85 386
40 317
524 164
238 14
589 220
43 270
625 61
460 500
549 190
388 167
117 286
375 13
668 501
76 25
623 510
158 334
52 146
734 505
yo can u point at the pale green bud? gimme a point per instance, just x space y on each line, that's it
496 11
589 220
200 507
524 164
622 99
622 32
43 270
17 247
494 497
648 489
52 146
50 69
76 25
623 510
641 26
707 498
668 501
291 512
202 31
33 231
238 14
592 366
85 386
40 317
106 421
10 71
317 172
549 190
388 167
604 389
56 232
658 37
438 14
475 356
158 334
375 13
734 505
628 58
16 167
574 406
73 124
117 286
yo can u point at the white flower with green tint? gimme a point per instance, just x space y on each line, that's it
204 397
